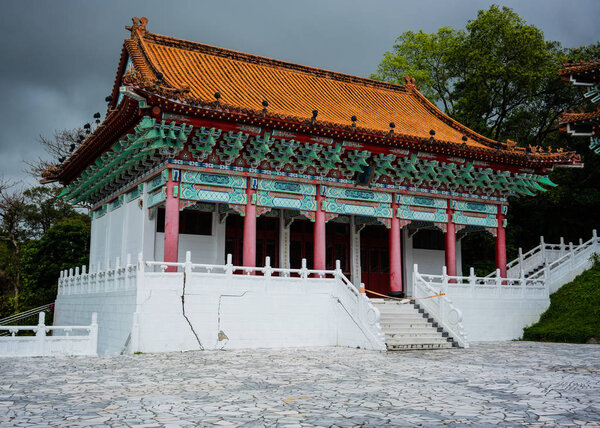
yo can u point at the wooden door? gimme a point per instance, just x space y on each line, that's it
267 239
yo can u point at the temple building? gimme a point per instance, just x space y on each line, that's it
218 152
582 123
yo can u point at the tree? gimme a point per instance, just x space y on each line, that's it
25 216
429 59
57 148
13 230
65 245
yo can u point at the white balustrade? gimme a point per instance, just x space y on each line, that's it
60 342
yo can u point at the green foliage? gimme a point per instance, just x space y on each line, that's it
26 219
65 245
44 208
429 59
574 312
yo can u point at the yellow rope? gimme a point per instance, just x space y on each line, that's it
364 290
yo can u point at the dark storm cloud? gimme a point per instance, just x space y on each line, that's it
58 58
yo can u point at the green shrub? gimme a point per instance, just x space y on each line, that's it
574 312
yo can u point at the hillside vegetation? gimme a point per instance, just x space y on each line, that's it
574 312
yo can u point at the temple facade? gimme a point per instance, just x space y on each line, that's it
218 152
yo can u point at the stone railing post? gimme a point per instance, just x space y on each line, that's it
562 246
521 267
41 333
93 335
543 249
303 270
472 280
338 270
498 282
268 270
571 255
187 266
229 265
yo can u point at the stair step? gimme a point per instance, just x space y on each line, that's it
421 335
406 328
401 315
415 340
411 330
419 346
392 325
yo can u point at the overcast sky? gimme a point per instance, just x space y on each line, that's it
58 58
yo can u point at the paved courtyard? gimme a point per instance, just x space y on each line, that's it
510 383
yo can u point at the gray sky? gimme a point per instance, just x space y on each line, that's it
58 58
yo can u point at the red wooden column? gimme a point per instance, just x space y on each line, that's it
450 243
249 252
171 223
395 250
319 233
501 244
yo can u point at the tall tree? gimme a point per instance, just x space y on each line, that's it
429 59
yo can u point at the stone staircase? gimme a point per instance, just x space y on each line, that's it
407 327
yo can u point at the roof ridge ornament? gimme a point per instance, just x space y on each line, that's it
410 83
139 25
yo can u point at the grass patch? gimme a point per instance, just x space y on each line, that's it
574 312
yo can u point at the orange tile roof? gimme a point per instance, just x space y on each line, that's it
573 117
579 67
197 71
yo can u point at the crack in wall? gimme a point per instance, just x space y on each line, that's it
221 332
183 312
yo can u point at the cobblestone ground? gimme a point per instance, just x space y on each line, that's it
510 383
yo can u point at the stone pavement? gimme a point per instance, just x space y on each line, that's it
510 384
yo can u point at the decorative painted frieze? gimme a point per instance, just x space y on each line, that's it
135 193
286 200
474 207
435 215
156 197
421 201
354 207
100 211
156 182
357 194
198 192
116 203
475 219
195 177
287 187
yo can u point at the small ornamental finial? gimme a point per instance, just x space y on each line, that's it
139 24
410 83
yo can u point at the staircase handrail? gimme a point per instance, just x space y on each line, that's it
441 307
25 314
572 252
543 247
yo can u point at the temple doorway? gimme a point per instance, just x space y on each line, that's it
267 239
375 258
337 244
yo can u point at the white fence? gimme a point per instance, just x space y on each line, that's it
573 262
61 342
571 257
203 306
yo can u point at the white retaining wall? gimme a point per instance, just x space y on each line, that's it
482 309
495 319
141 310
